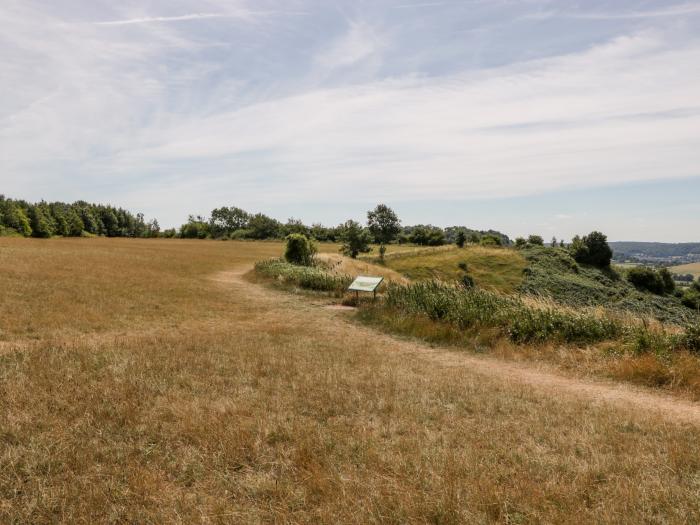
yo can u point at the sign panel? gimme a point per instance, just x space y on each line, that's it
365 284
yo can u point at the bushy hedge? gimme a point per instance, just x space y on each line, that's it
308 277
473 307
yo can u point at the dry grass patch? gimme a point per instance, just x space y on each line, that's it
234 403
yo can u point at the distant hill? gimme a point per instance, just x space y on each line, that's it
656 252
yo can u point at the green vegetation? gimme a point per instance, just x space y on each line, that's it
44 220
470 308
491 268
355 239
553 273
383 224
307 277
592 249
299 250
647 279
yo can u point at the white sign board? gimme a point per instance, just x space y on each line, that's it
365 284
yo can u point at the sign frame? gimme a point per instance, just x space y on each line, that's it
365 283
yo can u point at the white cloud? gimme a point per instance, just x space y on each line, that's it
359 43
129 115
151 19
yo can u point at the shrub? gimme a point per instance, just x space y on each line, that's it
300 250
308 277
490 240
691 298
647 279
535 240
667 280
461 239
474 307
520 242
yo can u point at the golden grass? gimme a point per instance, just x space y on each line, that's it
692 268
496 269
156 386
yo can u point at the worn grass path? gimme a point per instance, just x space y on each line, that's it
542 378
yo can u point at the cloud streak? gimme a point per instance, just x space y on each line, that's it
158 19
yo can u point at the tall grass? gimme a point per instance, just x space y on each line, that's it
308 277
473 307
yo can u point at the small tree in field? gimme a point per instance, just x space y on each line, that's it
383 223
461 239
300 250
592 249
355 239
535 240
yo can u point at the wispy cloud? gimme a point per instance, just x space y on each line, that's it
670 11
155 19
299 109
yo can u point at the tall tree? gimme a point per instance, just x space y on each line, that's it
355 239
383 223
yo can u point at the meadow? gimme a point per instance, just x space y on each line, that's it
152 381
691 268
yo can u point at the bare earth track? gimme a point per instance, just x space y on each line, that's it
546 381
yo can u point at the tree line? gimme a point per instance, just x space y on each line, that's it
47 219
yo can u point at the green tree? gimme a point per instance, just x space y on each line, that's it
535 240
226 220
461 238
553 242
592 249
667 280
490 240
195 228
75 224
263 227
383 224
16 218
41 221
355 239
520 242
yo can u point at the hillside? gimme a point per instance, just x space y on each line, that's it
491 268
553 273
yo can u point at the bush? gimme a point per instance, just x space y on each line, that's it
467 307
308 277
647 279
461 239
490 240
300 250
535 240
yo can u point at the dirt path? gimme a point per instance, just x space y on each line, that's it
547 381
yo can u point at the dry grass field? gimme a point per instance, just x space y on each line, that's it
147 381
692 268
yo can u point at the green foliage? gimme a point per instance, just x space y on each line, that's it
667 279
263 227
383 224
491 240
592 249
554 274
195 228
427 236
41 221
226 220
308 277
691 296
461 239
15 217
355 239
520 242
300 250
469 307
647 279
535 240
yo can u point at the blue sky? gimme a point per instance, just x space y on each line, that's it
531 116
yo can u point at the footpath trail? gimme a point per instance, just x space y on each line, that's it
550 383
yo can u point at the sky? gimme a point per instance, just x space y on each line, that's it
530 116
